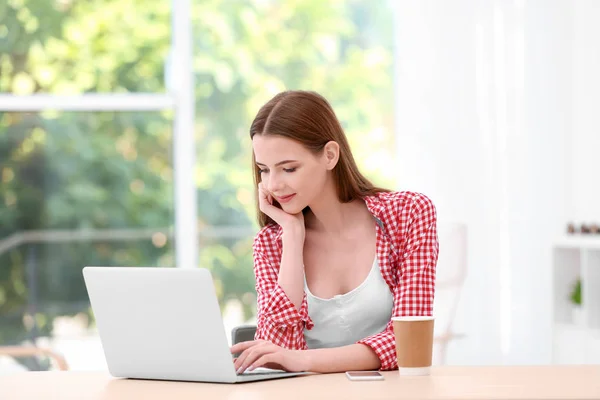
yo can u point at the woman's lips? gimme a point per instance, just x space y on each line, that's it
285 199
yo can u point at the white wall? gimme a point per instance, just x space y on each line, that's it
584 189
483 108
538 208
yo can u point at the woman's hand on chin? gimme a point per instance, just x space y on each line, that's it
289 222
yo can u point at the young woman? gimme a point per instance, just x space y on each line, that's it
336 257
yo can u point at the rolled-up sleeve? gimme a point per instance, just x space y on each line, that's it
278 319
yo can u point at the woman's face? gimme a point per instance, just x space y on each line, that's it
290 172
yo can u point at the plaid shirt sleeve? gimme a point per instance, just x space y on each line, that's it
415 275
278 320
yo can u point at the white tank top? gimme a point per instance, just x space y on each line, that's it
347 318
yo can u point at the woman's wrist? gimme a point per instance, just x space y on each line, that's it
294 233
304 359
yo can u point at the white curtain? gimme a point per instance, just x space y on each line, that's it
482 110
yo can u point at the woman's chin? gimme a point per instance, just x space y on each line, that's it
291 208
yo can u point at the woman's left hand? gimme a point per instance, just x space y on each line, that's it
262 353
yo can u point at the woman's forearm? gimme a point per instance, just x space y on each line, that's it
291 271
355 357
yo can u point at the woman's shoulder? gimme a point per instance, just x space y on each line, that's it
393 202
398 211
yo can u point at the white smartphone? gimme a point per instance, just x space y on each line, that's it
364 376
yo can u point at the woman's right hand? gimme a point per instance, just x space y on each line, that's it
289 222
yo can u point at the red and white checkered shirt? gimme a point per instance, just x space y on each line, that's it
407 251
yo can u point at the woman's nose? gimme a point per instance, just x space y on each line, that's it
274 183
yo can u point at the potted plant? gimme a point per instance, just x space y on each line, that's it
578 311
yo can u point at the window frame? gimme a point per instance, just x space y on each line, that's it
179 98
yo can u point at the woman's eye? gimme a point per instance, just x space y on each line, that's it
260 171
289 169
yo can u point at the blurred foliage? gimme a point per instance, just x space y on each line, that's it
575 294
114 170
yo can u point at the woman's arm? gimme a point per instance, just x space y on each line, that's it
282 311
280 319
291 271
355 357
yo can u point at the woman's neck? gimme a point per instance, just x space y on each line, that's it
330 215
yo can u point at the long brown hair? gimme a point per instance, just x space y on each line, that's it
308 118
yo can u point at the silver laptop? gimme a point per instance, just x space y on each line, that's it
163 323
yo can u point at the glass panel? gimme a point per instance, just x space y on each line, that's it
246 52
70 47
76 190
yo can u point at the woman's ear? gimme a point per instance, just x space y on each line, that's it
331 154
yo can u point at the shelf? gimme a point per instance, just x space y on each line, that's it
577 241
574 328
576 258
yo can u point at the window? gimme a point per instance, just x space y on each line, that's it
95 124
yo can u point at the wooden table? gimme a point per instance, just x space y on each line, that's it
509 382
